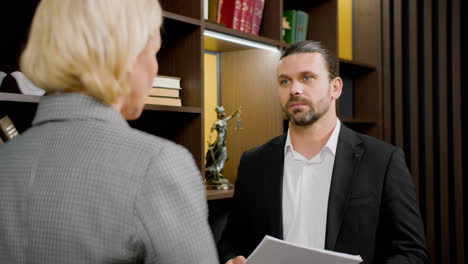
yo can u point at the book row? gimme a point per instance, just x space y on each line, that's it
295 28
165 90
240 15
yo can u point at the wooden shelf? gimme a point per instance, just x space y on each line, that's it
354 68
223 29
181 18
166 108
219 194
19 98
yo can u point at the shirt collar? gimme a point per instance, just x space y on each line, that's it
66 106
331 143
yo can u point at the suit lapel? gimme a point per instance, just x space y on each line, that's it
347 158
273 182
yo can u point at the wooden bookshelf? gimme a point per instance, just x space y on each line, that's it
20 98
166 108
246 80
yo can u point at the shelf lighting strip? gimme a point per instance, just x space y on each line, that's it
240 41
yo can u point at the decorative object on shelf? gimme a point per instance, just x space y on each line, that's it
217 154
7 129
2 75
17 82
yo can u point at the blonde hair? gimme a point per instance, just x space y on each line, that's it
88 45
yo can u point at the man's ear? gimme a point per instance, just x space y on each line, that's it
336 87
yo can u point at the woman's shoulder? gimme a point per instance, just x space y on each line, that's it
144 142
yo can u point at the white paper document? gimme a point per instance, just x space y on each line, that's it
272 250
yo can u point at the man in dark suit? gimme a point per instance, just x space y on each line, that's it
321 184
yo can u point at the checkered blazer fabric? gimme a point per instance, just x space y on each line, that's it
82 186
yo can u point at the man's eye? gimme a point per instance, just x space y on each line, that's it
307 77
284 82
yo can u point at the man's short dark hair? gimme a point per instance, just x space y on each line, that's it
310 46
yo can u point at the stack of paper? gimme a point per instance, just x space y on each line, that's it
273 250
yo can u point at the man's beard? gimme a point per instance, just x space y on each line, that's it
314 114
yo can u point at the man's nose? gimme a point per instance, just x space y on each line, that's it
295 88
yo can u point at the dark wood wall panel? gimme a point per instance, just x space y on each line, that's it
387 71
428 146
442 139
413 87
422 93
456 136
398 73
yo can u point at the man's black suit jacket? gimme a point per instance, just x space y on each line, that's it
372 207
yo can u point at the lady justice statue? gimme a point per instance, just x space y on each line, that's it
217 154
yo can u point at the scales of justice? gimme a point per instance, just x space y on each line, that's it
217 154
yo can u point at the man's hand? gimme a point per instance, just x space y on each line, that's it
236 260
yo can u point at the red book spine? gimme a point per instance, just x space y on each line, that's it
257 16
237 15
227 12
246 15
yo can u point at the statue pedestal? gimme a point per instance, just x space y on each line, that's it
218 183
223 186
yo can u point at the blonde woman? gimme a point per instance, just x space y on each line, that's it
81 186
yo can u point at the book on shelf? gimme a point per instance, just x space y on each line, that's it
212 10
163 100
236 17
247 16
290 34
229 13
205 9
167 82
240 15
298 22
167 92
7 129
257 16
226 12
301 25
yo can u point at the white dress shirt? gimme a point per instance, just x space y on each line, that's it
306 186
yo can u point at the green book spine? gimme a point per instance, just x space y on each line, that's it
290 34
